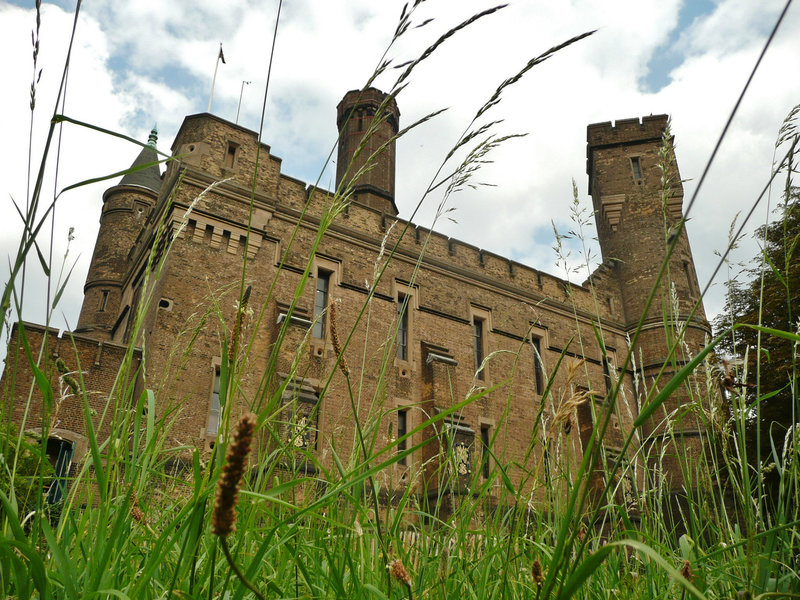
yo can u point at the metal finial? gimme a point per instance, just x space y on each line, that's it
153 138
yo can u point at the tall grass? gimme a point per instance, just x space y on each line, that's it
144 519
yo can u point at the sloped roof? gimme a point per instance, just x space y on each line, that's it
149 177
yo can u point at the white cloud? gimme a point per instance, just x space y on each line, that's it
83 153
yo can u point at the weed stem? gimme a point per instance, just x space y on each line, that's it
237 571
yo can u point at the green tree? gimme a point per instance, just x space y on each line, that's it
31 463
770 298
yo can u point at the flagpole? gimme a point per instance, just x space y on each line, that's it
240 100
214 79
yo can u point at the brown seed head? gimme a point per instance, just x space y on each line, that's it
686 571
223 520
537 572
136 513
246 297
337 346
399 572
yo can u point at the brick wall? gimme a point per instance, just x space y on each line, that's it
224 242
75 368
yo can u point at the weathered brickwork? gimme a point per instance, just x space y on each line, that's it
207 241
72 366
638 217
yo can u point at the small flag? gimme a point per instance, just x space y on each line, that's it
221 55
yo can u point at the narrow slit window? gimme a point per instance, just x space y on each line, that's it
537 364
548 474
637 168
321 302
607 375
230 155
214 409
402 429
690 280
478 341
104 301
402 328
485 455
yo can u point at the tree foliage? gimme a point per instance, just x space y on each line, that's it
23 457
770 298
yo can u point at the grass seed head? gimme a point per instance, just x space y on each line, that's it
398 571
686 571
337 346
223 520
444 559
61 365
137 514
537 572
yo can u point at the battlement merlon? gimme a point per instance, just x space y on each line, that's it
369 99
644 130
626 131
189 119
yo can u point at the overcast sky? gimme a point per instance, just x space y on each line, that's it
136 63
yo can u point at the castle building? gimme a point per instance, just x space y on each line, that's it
356 313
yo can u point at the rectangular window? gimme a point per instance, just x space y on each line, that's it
230 155
299 414
690 280
402 429
485 456
402 328
548 474
137 293
637 168
59 453
321 302
586 417
478 340
607 375
214 410
104 301
537 364
624 482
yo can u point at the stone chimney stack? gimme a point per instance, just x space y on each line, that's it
367 121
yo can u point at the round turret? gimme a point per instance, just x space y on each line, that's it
126 207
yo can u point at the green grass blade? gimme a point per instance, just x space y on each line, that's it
10 562
62 562
661 562
677 380
584 571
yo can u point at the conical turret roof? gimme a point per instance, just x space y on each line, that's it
150 177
